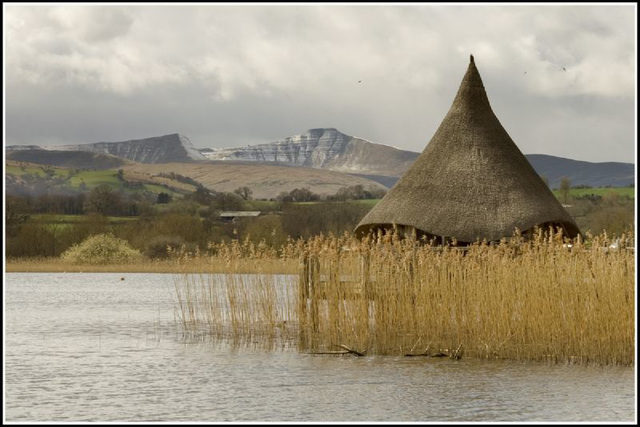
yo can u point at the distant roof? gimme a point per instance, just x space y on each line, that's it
239 213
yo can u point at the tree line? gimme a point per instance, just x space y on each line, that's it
183 224
191 221
158 221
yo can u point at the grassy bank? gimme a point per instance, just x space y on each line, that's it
193 265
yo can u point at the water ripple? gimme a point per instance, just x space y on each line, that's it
89 347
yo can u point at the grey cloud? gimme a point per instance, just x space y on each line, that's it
231 75
111 23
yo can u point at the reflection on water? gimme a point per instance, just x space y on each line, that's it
92 347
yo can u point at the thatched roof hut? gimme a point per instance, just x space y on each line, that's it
471 182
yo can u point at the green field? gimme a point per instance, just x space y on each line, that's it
19 171
73 219
91 179
629 192
64 222
370 202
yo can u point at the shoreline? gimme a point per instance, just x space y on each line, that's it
194 266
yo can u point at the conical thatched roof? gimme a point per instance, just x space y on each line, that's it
471 182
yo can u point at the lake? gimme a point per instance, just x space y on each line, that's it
91 347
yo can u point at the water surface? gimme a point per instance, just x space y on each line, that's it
91 347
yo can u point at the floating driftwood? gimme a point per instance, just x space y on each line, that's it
346 350
457 354
436 354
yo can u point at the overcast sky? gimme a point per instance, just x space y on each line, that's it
561 79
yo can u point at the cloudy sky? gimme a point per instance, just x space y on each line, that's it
561 79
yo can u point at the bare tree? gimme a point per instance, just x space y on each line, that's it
103 200
16 214
244 192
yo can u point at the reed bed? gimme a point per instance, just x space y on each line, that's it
252 301
540 298
543 298
243 307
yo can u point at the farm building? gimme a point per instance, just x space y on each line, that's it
471 182
230 216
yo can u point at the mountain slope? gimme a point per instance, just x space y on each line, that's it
159 149
266 181
67 159
604 174
323 149
333 150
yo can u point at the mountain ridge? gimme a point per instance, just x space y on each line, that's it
579 172
386 164
157 149
317 148
322 148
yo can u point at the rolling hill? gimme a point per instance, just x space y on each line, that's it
266 181
604 174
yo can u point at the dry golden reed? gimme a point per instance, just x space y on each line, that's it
540 298
543 298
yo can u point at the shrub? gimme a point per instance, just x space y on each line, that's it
158 246
101 249
266 228
34 239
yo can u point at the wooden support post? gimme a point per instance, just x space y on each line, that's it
314 288
366 275
303 293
